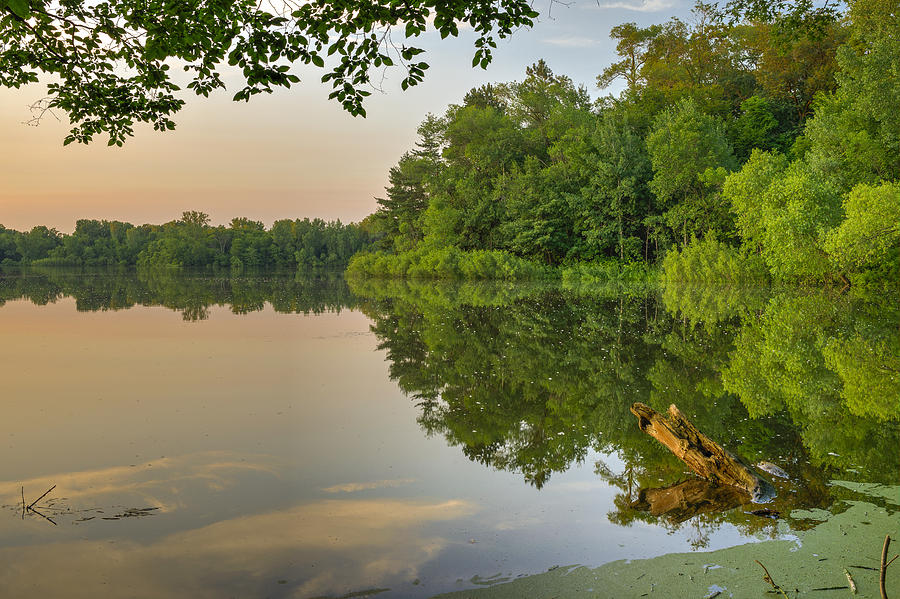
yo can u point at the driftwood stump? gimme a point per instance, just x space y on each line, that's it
704 456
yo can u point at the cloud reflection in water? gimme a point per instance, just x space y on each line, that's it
329 546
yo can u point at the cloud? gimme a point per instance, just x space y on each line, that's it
160 483
378 484
572 42
324 547
639 6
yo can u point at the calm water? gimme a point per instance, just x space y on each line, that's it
296 437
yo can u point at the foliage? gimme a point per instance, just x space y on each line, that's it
855 136
684 144
712 261
751 124
869 236
531 168
446 263
109 62
189 242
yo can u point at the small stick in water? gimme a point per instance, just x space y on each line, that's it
23 502
768 578
884 565
43 516
850 580
41 497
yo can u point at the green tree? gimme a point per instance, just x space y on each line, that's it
855 135
37 243
869 236
632 45
755 128
795 65
684 144
614 198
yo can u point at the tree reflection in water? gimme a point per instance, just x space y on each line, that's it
535 379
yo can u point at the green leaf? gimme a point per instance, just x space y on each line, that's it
19 7
317 60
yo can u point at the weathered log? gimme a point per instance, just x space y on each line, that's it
704 456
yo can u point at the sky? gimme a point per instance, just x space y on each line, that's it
291 154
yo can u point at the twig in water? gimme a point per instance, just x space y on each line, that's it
884 565
850 580
23 502
41 497
49 519
768 578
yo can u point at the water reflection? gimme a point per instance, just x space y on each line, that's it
104 493
533 381
192 295
289 552
530 383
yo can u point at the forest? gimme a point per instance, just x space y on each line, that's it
188 243
738 148
741 147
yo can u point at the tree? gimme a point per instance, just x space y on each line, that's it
109 62
615 195
632 45
784 210
754 128
869 236
855 134
532 101
398 215
794 68
684 144
35 244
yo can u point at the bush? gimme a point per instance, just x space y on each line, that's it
447 263
611 276
710 261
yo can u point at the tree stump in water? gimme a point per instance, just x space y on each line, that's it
704 456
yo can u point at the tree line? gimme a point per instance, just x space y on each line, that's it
189 242
776 136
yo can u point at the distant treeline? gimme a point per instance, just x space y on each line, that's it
774 135
189 242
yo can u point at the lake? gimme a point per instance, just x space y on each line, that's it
299 436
